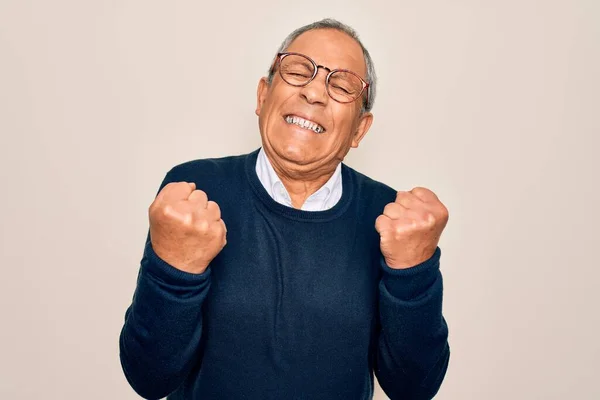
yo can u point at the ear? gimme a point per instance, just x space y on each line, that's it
261 94
364 123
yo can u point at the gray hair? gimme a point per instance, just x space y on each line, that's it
329 23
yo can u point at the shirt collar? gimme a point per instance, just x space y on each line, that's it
324 198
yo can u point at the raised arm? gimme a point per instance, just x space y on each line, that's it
160 339
412 349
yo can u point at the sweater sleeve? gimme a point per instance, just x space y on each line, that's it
160 339
412 347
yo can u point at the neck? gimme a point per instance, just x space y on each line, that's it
300 185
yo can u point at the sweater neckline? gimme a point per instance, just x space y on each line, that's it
290 212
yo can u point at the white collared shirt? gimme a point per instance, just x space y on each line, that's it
323 199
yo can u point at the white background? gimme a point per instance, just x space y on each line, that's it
491 104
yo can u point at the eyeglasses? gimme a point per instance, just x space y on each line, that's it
342 85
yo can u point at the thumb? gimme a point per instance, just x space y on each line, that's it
192 185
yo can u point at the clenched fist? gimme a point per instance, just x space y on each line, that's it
186 229
410 228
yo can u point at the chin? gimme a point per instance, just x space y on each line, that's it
292 152
291 146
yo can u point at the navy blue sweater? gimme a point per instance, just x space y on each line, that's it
298 305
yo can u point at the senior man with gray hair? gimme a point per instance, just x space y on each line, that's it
283 273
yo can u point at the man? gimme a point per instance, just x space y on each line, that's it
284 273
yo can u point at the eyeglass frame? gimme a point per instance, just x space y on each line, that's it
365 85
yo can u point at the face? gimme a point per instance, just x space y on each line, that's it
299 151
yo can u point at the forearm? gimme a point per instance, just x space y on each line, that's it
163 326
413 351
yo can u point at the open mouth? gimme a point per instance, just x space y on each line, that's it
304 123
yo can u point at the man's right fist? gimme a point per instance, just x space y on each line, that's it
186 229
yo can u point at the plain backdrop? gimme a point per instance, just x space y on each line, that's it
494 105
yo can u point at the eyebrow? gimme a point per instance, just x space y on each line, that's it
329 69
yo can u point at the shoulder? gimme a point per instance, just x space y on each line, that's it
208 167
370 192
208 173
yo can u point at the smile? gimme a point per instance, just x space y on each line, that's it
304 123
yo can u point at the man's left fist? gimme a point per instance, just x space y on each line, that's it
410 228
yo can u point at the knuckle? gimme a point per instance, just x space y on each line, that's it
166 210
398 235
220 230
188 220
428 218
444 211
399 229
202 226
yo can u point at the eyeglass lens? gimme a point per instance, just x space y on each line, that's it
342 86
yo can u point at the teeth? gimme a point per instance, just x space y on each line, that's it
304 123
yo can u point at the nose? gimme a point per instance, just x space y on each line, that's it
316 92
